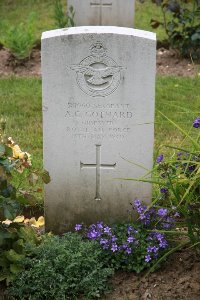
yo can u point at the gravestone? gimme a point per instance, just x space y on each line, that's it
103 12
98 115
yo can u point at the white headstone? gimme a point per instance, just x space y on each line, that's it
103 12
98 114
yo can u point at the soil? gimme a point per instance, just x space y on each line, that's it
177 279
168 63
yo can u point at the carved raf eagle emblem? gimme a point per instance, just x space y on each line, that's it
98 74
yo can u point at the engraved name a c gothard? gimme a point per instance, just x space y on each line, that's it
98 74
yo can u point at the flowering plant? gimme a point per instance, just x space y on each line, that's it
178 178
13 162
137 245
14 234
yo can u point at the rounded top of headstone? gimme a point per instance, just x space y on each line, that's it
99 30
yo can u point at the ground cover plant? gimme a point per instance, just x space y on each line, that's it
62 268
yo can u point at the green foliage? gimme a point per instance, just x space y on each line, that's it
20 39
63 20
179 174
178 178
183 28
62 268
14 240
13 236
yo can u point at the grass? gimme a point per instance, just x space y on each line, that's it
20 98
179 99
17 11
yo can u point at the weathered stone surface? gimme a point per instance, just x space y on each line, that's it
98 113
103 12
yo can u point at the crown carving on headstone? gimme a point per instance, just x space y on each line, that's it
98 49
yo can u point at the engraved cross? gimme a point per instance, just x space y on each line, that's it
101 5
98 167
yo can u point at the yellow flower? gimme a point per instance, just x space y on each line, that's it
38 223
19 219
17 152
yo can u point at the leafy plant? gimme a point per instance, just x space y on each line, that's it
14 240
62 268
182 26
61 19
20 39
14 236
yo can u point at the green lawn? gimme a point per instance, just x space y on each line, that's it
18 11
20 98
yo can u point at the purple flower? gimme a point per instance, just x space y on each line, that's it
196 123
113 239
114 247
104 243
100 225
163 244
159 158
93 234
147 258
128 250
177 215
130 239
192 168
78 227
137 203
162 212
107 229
166 226
129 229
124 246
163 190
152 249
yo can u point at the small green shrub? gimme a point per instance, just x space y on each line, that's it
14 240
181 21
62 268
63 20
20 39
